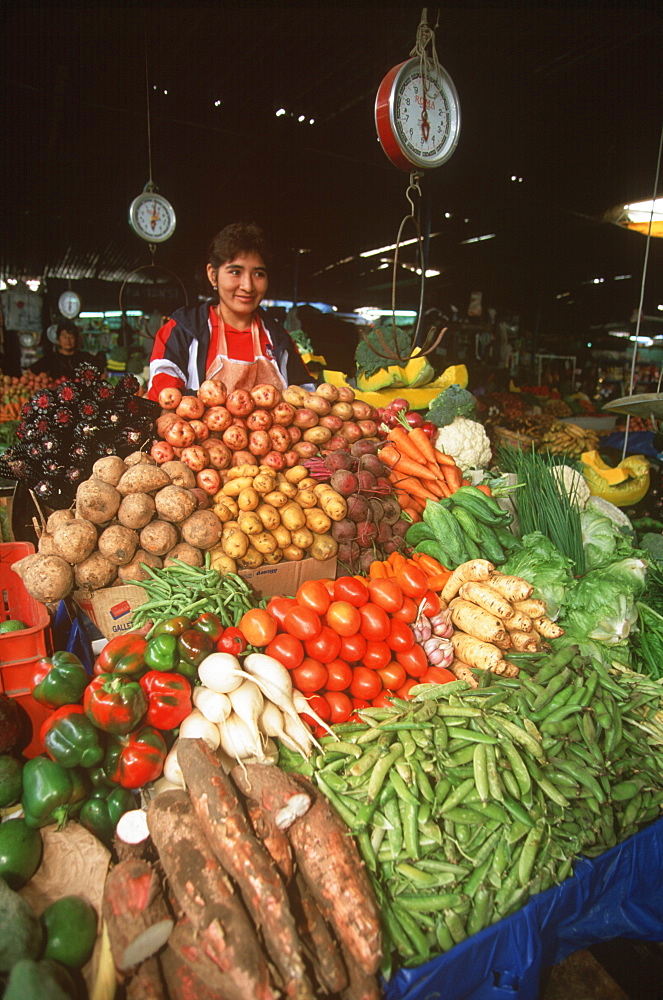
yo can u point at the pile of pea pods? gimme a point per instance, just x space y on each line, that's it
465 801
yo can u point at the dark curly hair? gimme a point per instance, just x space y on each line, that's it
238 238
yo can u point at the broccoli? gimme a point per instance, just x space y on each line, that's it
451 403
652 543
369 356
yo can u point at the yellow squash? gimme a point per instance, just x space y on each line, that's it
623 485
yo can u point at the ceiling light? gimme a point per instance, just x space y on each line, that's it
392 246
619 333
646 341
217 104
660 306
280 112
302 118
622 277
447 215
311 121
91 315
478 239
643 216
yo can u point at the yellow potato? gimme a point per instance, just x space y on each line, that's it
321 488
324 547
307 498
293 553
234 542
289 489
293 517
317 521
252 559
221 499
272 558
317 435
296 473
240 471
234 487
302 537
269 516
276 498
221 562
248 499
264 542
307 484
222 512
250 523
282 536
263 483
334 505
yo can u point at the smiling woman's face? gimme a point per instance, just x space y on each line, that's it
242 285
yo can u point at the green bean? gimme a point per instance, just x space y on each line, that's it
409 813
430 902
381 770
457 795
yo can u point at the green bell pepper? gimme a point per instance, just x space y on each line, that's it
103 809
70 931
71 739
59 680
51 793
162 652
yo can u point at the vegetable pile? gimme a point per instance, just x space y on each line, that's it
17 390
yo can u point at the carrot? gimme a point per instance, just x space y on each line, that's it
419 438
439 488
485 489
414 487
443 459
414 515
401 439
390 455
411 468
453 476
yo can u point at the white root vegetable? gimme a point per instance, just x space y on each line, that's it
273 680
301 703
216 707
196 726
163 785
297 730
247 703
238 741
271 724
221 672
171 769
132 827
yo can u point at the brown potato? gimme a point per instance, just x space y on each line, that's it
250 523
95 572
317 521
174 503
264 483
292 516
159 537
251 559
186 553
302 537
296 474
276 499
136 510
221 500
282 536
334 505
75 540
324 547
289 489
295 395
306 484
317 435
307 498
292 553
46 578
202 529
248 499
264 542
180 474
143 478
234 542
269 516
243 472
223 513
139 458
118 544
58 517
272 558
134 571
221 562
97 501
234 487
109 469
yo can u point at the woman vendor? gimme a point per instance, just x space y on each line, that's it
232 340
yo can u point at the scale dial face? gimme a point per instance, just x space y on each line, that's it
152 217
69 304
417 118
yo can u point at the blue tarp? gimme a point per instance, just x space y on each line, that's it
619 894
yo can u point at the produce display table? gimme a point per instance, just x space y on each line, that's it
619 894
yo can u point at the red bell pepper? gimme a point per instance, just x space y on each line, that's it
168 698
122 655
114 703
232 641
133 760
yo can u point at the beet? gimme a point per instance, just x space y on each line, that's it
358 509
348 554
366 534
344 531
394 544
384 532
363 447
383 485
372 464
400 527
337 460
376 509
344 482
365 480
391 511
365 560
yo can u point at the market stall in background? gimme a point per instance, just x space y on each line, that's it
326 693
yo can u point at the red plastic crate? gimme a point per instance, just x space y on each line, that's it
20 651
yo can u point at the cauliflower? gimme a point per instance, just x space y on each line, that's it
467 443
573 484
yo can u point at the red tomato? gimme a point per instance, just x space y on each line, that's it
329 584
413 581
278 607
374 623
339 675
313 594
286 649
321 708
408 613
404 692
340 706
360 703
353 648
414 660
401 637
431 604
437 675
325 646
343 617
383 700
303 623
386 594
393 676
258 627
310 676
365 683
377 655
348 588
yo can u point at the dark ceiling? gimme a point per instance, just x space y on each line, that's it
568 98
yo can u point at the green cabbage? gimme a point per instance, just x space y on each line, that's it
544 566
603 540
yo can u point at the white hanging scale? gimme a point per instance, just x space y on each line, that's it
151 216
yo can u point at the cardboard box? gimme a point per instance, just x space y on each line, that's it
111 609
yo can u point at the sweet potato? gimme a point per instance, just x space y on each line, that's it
109 469
95 572
174 503
118 544
228 831
335 874
58 517
97 501
159 537
139 458
143 478
136 510
133 572
202 529
185 553
205 894
180 474
46 578
75 540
